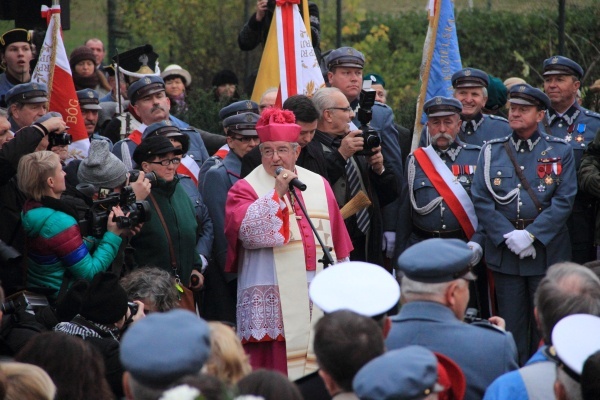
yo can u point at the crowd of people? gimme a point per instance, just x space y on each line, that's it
293 256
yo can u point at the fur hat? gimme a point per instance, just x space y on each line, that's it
101 168
79 54
223 77
105 301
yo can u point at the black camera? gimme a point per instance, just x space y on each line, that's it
59 139
371 138
133 307
28 301
471 317
134 174
96 218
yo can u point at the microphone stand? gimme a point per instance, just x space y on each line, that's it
327 260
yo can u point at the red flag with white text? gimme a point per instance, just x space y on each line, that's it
53 69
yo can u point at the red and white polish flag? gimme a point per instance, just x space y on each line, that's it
53 70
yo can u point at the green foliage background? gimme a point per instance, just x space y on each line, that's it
504 37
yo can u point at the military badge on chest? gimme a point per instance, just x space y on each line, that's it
549 170
463 173
579 137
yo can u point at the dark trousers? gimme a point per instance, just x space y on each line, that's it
515 295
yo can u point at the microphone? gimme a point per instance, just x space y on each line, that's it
294 182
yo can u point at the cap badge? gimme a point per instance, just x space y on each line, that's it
467 72
373 79
249 105
34 86
147 81
248 118
168 122
143 59
438 100
349 51
522 88
554 60
90 94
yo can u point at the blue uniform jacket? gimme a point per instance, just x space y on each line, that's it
441 218
511 386
482 352
216 182
548 165
483 129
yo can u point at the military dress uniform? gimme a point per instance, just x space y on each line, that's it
578 127
482 127
503 205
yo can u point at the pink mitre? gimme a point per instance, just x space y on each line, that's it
276 125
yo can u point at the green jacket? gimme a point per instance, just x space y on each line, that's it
151 244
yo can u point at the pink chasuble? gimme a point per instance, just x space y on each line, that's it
254 226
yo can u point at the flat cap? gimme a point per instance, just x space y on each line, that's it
437 261
27 93
375 79
89 99
164 347
244 124
470 77
559 65
574 339
153 146
408 373
345 57
364 288
144 86
167 129
238 107
14 36
439 106
528 95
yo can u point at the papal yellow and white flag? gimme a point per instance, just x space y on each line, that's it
288 61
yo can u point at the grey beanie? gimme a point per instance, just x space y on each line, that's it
101 168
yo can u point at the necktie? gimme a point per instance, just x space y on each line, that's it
353 180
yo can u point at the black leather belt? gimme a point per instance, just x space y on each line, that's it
454 234
521 223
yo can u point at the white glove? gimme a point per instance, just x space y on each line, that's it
518 240
477 252
529 251
389 243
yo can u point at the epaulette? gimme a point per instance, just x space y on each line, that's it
498 140
555 139
498 118
467 146
591 113
487 325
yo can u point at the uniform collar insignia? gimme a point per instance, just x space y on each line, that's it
528 144
451 152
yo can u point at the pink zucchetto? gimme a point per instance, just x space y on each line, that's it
276 125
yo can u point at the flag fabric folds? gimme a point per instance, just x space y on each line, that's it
288 59
53 69
441 59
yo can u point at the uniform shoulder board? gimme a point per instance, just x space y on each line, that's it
589 113
486 325
471 147
555 139
498 140
498 118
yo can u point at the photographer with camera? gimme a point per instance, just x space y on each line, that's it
103 317
53 239
351 171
